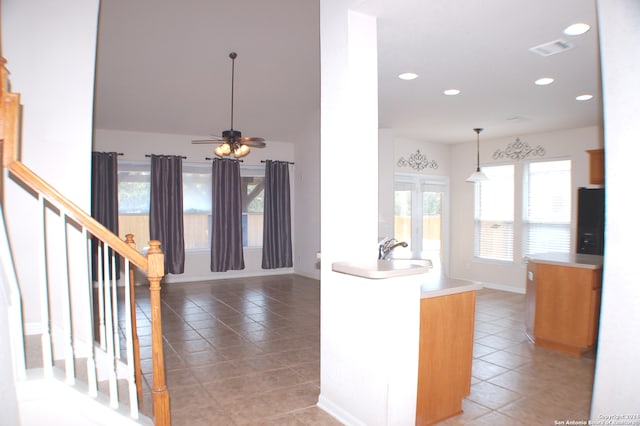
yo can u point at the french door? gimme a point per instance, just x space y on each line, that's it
420 219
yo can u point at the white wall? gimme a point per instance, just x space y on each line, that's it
50 49
306 175
349 211
385 184
135 145
615 391
569 144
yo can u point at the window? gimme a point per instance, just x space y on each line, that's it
543 224
134 189
494 213
418 216
252 183
403 199
196 200
547 207
134 196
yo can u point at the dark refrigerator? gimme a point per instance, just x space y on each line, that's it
591 221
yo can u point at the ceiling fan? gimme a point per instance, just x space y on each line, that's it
232 142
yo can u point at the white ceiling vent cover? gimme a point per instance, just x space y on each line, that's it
551 48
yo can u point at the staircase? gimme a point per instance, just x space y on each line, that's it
70 333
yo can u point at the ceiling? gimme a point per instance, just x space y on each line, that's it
163 67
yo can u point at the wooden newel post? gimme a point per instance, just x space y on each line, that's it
155 272
134 323
9 118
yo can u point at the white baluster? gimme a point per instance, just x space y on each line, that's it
47 352
113 380
101 271
133 391
114 304
91 362
65 295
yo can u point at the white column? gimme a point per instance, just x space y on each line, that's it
617 376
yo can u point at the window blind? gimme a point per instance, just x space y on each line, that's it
494 214
547 213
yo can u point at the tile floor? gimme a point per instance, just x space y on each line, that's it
246 352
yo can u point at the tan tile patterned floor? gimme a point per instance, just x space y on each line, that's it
247 352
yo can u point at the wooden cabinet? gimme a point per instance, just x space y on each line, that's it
446 352
596 166
566 306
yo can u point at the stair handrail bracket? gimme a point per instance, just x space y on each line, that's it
104 281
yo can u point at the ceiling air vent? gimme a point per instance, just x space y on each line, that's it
551 48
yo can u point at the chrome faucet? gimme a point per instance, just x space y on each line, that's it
386 246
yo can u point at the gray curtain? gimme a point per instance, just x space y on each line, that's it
104 198
276 241
226 220
165 213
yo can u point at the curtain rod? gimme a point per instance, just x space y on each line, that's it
278 161
230 159
162 155
117 153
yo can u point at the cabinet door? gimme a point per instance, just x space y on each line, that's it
566 305
446 353
596 166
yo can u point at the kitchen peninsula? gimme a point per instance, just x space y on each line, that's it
396 345
563 301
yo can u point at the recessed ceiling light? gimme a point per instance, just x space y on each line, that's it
544 81
584 97
451 92
408 76
577 29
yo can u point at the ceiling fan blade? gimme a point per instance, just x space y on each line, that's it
205 141
250 139
254 142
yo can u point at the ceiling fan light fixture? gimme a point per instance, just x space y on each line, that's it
232 141
241 151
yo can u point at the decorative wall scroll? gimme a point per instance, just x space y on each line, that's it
417 161
518 150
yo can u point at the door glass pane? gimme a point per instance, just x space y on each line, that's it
432 225
402 216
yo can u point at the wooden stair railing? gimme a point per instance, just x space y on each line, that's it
152 265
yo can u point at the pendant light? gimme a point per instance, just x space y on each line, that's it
477 176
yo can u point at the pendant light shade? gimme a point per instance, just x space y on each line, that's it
477 176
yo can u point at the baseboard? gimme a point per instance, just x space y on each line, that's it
503 287
313 275
169 279
338 412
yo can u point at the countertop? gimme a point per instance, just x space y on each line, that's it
576 260
380 269
444 286
432 284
